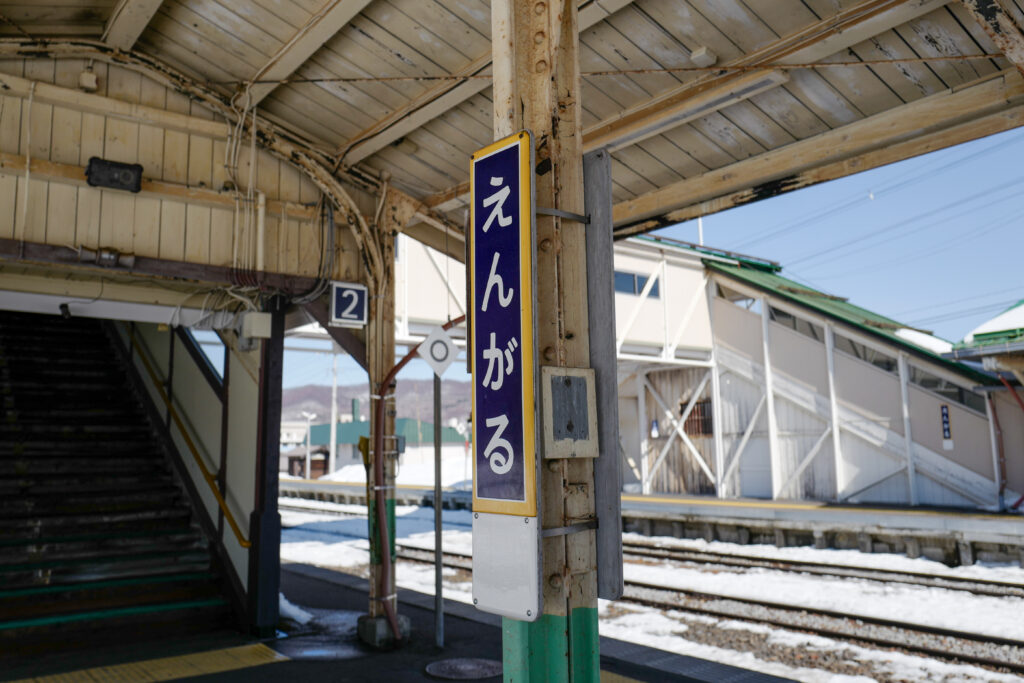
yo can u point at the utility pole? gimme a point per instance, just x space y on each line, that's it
332 461
537 87
309 427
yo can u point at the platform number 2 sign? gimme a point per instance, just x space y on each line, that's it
348 304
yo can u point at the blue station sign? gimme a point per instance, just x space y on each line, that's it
348 304
501 330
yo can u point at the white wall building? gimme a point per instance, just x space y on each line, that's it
735 381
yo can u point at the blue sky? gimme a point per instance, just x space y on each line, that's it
935 242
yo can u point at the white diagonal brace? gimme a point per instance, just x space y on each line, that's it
678 429
127 22
456 297
734 463
684 321
805 463
320 28
652 278
874 483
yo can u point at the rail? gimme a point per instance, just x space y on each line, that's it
210 477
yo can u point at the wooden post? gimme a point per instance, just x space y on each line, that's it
537 86
380 628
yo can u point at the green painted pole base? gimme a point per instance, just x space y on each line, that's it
389 512
553 648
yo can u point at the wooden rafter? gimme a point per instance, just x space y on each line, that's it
320 28
933 122
127 22
435 101
717 90
1001 27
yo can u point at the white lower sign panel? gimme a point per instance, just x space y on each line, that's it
506 565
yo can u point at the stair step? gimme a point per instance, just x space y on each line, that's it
82 549
25 530
51 572
111 614
42 601
97 537
85 482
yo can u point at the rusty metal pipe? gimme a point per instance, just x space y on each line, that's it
378 482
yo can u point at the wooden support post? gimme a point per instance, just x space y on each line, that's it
265 521
382 627
537 87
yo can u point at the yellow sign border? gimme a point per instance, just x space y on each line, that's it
527 507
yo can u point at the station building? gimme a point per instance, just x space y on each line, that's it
737 382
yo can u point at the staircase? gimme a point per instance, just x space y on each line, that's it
98 542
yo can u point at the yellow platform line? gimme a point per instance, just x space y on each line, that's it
170 668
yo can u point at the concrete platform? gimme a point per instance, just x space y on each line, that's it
943 534
336 654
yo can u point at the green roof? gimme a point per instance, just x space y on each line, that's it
414 431
837 308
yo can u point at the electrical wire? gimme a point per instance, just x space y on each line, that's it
894 226
927 172
965 312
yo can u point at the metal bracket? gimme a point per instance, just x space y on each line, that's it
579 218
566 530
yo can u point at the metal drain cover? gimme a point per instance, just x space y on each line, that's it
465 669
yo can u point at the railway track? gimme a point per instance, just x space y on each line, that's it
946 644
710 557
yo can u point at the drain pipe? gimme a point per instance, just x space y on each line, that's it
378 482
261 230
1020 402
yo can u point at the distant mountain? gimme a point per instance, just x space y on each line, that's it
415 400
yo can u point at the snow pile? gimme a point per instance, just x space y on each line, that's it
924 340
454 469
293 612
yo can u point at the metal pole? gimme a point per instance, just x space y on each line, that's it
332 463
908 437
438 595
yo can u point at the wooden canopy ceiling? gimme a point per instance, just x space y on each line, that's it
704 104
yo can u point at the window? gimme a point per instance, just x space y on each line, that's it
804 327
946 390
698 422
631 283
867 354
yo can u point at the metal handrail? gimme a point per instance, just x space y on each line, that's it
211 478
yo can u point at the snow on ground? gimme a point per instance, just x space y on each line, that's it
455 469
1011 573
316 538
956 610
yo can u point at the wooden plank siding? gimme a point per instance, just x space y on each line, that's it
64 211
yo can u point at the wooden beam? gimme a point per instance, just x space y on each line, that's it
320 28
447 95
345 338
127 22
934 122
715 91
14 164
1000 27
